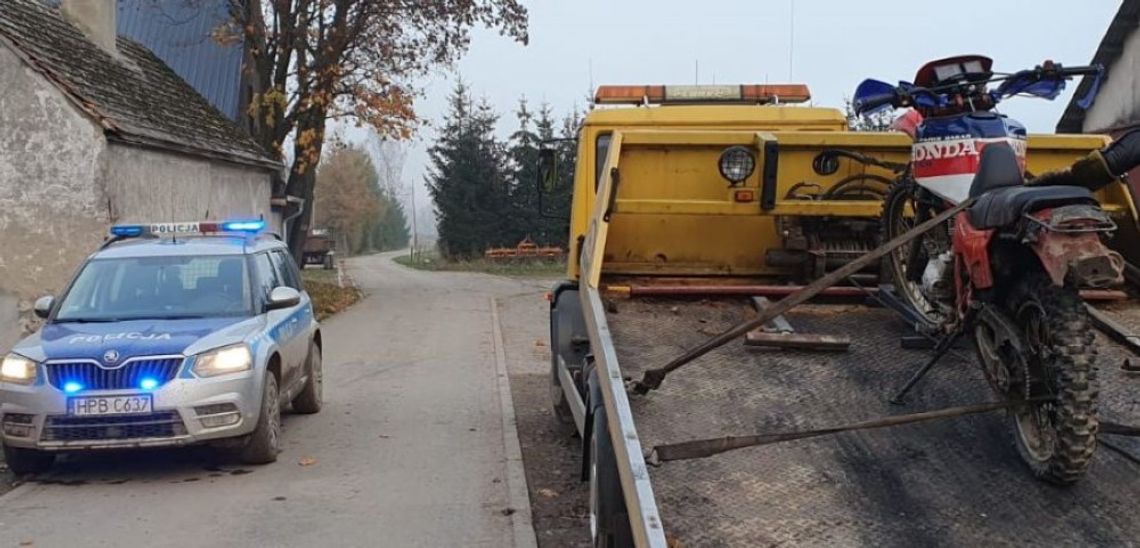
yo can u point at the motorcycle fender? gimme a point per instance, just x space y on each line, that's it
972 247
1081 256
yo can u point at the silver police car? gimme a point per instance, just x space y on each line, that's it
170 334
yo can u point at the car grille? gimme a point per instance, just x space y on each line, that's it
162 424
92 377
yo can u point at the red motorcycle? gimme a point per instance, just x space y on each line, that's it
1008 268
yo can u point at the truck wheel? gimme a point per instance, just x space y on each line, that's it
328 262
311 397
265 441
28 461
609 520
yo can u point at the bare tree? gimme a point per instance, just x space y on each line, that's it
316 60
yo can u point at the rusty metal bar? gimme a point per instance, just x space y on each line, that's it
785 290
713 446
653 378
735 290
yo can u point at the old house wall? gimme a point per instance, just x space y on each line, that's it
62 184
150 185
1118 101
51 212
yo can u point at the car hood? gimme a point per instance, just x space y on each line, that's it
118 341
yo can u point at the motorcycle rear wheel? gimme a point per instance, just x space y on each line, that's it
1056 439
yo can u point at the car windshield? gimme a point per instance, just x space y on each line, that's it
158 288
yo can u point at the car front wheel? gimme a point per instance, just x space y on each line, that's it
265 441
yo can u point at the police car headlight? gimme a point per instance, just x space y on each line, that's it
17 369
228 359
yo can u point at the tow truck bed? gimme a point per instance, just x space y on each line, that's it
955 482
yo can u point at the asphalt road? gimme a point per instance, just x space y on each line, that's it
408 451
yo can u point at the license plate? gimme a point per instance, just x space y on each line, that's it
110 405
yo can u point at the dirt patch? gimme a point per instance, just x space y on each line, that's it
551 452
329 298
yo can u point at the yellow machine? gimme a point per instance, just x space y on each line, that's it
719 191
672 213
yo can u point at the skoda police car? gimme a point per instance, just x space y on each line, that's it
169 334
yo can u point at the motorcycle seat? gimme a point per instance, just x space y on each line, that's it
1004 206
1002 197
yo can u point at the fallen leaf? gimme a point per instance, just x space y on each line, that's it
548 493
307 461
540 343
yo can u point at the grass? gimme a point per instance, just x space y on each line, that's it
328 297
430 260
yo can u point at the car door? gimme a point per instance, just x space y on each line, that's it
279 323
300 316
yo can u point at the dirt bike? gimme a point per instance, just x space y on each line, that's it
1006 270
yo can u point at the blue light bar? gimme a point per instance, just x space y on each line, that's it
148 384
243 226
72 387
127 231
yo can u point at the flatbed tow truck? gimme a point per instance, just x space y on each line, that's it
666 254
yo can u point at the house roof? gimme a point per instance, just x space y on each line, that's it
137 99
1122 26
181 34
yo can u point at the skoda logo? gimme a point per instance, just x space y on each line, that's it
111 357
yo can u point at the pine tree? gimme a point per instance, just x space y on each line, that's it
523 155
467 179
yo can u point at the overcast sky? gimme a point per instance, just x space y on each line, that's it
836 44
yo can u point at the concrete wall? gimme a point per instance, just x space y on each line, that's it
147 185
62 184
1118 102
51 212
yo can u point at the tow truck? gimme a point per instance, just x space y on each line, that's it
693 206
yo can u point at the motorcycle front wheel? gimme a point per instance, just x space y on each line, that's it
1055 438
899 213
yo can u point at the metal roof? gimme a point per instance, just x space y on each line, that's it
1122 26
181 33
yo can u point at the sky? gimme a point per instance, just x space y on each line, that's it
830 45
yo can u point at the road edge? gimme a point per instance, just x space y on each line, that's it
517 491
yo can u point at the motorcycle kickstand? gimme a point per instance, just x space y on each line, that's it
943 347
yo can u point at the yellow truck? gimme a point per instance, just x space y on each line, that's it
675 238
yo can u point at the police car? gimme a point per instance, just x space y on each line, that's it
169 334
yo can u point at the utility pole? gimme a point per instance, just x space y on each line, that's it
412 255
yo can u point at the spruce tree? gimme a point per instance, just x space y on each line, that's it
467 179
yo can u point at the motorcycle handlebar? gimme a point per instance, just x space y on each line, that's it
1089 70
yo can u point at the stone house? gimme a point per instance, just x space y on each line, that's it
96 130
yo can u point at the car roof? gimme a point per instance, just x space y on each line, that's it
190 246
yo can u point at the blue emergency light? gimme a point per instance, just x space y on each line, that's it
127 231
243 226
72 387
148 383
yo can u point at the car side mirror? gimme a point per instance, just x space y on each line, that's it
43 305
282 297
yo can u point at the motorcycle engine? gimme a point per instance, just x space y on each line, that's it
938 280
